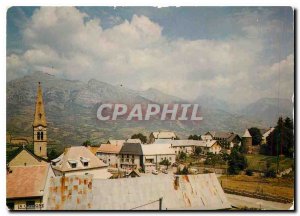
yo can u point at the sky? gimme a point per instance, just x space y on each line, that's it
238 54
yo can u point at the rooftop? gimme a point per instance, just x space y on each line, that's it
26 181
109 148
131 149
76 154
157 149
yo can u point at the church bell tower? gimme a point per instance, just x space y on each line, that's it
40 126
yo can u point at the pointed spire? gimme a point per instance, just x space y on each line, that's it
39 115
247 134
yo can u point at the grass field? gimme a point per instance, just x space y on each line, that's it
283 187
258 162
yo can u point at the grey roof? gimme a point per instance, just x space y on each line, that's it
202 192
132 149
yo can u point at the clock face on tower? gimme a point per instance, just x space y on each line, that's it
40 127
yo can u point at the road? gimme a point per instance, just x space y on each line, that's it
242 201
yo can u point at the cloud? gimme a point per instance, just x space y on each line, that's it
67 42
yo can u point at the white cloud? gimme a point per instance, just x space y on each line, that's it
135 53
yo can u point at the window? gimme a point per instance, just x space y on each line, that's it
73 163
40 149
30 204
42 135
84 161
10 205
38 136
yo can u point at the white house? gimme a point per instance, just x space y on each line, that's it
265 135
79 160
161 135
130 156
188 146
109 154
153 154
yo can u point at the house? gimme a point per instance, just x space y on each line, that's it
109 154
131 156
266 134
234 140
211 146
27 187
226 139
161 135
24 157
206 137
79 160
153 154
133 141
116 142
188 146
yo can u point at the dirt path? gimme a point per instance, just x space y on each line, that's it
241 201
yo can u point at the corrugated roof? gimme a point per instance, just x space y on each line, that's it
75 153
26 181
110 148
131 149
201 192
157 149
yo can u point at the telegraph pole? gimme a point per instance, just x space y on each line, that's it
160 203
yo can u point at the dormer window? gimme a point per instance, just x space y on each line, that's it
73 163
84 161
55 161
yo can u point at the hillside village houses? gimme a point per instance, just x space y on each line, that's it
79 160
226 139
28 174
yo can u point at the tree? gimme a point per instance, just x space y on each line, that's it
140 136
182 156
281 139
237 162
197 150
256 135
86 143
53 154
194 137
165 162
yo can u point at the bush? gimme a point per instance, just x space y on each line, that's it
271 173
249 172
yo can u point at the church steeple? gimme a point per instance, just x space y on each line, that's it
39 115
40 126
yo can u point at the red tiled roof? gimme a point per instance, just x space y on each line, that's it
26 181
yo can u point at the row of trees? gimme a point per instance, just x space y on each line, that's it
281 139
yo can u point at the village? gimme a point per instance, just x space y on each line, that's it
161 172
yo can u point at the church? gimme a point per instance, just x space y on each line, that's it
39 126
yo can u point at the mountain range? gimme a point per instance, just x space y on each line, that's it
71 108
